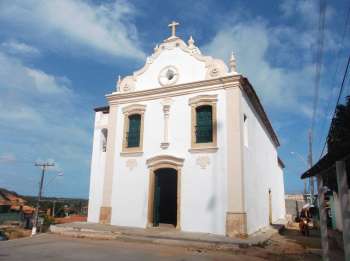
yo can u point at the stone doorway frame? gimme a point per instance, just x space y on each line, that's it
163 162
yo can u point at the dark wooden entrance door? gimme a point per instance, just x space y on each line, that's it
165 197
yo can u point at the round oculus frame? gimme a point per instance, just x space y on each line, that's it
168 75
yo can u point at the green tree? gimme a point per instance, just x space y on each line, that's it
338 140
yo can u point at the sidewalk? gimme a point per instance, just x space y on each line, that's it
165 236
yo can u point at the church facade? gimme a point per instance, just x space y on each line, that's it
185 142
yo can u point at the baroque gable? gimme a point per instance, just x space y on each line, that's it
173 63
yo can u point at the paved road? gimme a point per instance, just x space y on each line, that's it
54 247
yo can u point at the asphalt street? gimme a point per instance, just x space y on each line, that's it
54 247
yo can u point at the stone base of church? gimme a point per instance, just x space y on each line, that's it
236 224
105 215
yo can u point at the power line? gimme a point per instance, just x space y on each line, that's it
338 99
318 68
318 60
338 61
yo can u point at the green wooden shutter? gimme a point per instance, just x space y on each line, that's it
204 127
134 130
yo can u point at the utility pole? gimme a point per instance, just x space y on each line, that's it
310 166
53 208
44 167
306 166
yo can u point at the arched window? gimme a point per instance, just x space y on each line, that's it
133 134
204 124
104 135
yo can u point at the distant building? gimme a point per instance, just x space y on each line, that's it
11 198
185 141
5 204
11 201
294 204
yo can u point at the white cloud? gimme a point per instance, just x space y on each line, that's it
41 117
16 76
20 114
277 59
45 83
105 27
33 100
25 93
15 47
251 42
7 157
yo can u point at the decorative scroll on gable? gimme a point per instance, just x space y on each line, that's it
215 68
127 84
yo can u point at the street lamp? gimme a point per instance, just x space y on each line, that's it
59 174
304 161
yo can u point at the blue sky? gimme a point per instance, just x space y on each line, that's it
59 58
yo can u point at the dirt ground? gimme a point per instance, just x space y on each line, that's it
291 245
14 232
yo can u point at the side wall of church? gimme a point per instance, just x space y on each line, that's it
279 202
203 175
261 172
97 168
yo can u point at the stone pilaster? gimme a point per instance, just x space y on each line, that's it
236 224
236 217
106 207
166 110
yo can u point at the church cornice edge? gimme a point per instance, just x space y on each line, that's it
179 89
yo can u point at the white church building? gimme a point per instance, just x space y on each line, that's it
185 143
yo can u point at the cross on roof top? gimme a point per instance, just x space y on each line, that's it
173 25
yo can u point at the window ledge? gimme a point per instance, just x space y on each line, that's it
204 149
131 153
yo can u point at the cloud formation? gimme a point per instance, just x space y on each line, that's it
106 28
251 42
277 59
18 48
41 117
7 157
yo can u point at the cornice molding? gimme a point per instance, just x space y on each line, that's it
174 90
254 99
205 98
164 159
139 108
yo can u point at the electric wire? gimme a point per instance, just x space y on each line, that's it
318 62
338 99
337 62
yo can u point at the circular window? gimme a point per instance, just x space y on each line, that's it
168 75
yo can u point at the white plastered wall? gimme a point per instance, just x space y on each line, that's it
97 169
203 190
261 172
189 69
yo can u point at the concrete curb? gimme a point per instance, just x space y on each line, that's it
203 243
